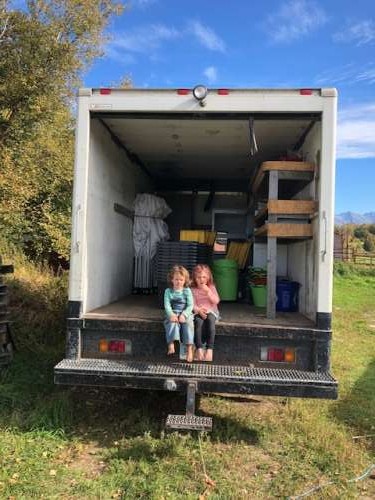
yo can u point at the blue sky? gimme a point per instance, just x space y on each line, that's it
248 43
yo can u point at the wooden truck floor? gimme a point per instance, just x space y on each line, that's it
137 307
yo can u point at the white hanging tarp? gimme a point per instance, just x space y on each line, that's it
148 229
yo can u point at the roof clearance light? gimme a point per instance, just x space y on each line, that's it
105 91
223 91
305 91
183 91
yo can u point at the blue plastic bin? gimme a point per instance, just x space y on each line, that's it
287 295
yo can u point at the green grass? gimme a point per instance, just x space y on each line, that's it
89 443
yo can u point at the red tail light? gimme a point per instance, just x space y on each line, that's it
223 91
183 91
305 91
113 346
105 91
275 355
278 354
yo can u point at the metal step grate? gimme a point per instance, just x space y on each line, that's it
112 367
189 422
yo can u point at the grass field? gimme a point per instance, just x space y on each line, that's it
85 443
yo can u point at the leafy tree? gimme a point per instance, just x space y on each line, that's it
360 232
44 50
369 244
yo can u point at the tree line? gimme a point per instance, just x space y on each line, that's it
357 237
45 48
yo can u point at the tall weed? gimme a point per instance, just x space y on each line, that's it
37 303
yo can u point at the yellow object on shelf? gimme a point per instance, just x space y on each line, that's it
199 235
239 251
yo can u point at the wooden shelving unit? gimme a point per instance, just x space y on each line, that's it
282 217
292 177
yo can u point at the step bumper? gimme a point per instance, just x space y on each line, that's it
209 378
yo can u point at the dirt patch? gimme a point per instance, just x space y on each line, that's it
83 457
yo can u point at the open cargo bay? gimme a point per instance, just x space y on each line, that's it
223 167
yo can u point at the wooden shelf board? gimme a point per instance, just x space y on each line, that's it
281 166
292 207
300 166
275 230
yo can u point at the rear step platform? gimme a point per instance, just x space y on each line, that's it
190 422
207 377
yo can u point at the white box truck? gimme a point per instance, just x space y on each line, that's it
257 165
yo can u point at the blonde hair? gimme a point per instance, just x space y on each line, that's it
199 268
179 270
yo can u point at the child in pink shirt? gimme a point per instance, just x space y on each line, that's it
205 309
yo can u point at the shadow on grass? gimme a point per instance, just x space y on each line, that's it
30 401
357 408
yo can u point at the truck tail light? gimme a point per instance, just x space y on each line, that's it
183 91
105 91
120 346
223 91
278 354
305 92
112 345
103 345
290 355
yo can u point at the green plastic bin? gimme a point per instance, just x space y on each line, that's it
259 294
225 273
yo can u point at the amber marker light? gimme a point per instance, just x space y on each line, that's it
103 345
290 355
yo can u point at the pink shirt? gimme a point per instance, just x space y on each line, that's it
203 299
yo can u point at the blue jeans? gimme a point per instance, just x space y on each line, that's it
174 331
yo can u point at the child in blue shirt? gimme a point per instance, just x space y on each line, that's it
178 305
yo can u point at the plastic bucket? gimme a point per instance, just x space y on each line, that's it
287 295
225 273
259 295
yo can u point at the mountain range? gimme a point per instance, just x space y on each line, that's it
354 218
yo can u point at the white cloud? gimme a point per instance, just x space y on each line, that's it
356 132
295 19
348 74
206 36
211 74
361 33
148 40
144 40
119 56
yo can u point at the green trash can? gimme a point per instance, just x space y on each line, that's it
225 273
259 295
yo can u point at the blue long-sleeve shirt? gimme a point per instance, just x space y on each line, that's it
178 301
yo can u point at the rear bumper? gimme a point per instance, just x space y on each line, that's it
208 378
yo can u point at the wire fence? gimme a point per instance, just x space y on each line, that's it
354 257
